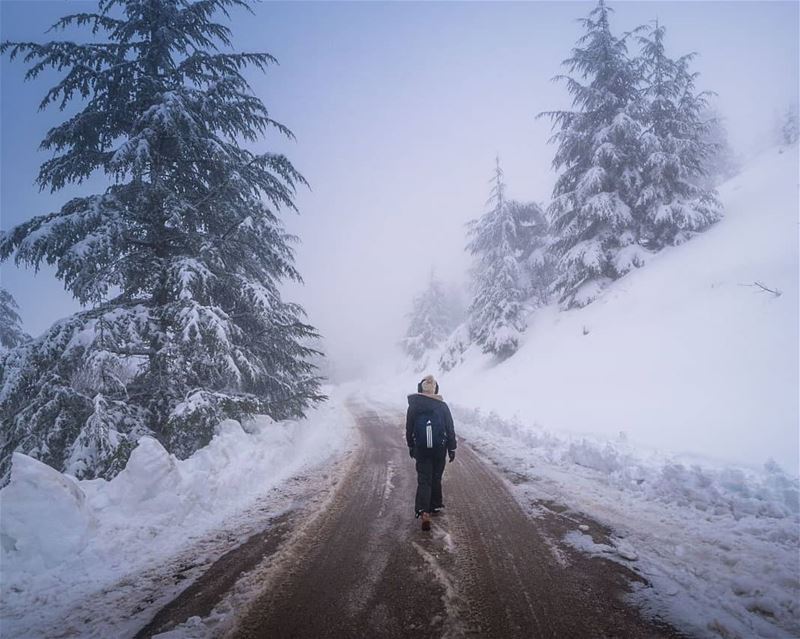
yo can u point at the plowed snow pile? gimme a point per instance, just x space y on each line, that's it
63 539
719 545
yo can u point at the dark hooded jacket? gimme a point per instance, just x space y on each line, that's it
421 403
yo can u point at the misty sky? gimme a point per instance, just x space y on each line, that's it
399 110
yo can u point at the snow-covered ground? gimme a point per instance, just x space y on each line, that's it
719 544
686 354
65 541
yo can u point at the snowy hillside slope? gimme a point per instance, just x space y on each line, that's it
687 354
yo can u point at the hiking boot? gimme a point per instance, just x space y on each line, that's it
426 521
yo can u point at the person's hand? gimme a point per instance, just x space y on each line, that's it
411 453
452 455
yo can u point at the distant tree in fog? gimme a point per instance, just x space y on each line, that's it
435 312
497 311
789 126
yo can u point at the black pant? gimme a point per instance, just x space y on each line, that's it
430 467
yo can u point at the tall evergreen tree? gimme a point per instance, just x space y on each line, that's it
599 149
675 147
497 312
178 261
11 333
435 313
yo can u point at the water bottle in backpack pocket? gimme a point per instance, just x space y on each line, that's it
429 431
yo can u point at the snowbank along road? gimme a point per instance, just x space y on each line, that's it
363 568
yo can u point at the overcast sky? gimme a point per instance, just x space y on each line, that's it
399 110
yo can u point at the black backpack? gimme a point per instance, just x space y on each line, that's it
429 430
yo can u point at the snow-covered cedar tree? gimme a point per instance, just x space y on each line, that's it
497 311
533 244
671 205
178 262
11 333
721 163
435 312
789 126
598 155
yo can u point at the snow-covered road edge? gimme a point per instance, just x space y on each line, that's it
93 557
719 546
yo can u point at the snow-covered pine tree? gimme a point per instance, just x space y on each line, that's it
533 248
593 222
434 314
675 146
178 262
497 311
11 333
529 244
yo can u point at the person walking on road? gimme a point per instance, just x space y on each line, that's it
431 437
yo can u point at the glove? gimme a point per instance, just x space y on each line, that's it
411 453
452 455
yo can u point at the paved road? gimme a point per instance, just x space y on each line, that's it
363 568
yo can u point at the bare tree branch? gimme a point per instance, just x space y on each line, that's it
776 292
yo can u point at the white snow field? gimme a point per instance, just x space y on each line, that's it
64 541
687 354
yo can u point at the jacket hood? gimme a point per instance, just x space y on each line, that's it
423 400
